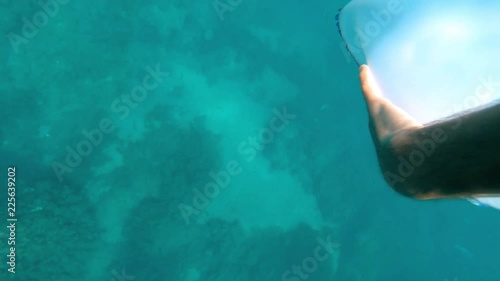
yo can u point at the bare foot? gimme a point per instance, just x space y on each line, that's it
386 119
392 129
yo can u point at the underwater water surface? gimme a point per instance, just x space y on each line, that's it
220 140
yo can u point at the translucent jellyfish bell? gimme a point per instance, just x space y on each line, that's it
431 58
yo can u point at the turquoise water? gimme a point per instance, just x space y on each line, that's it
204 141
